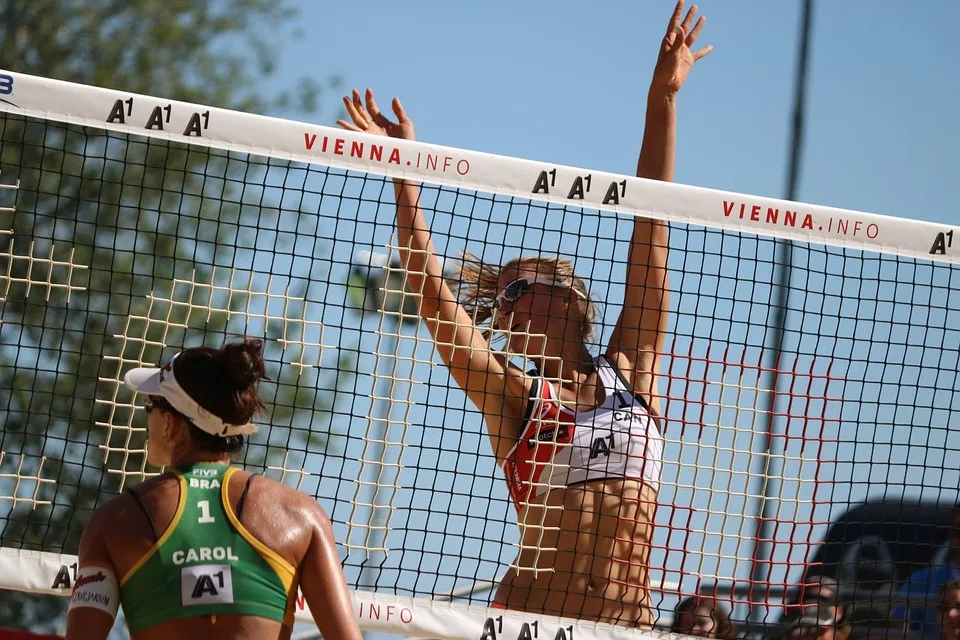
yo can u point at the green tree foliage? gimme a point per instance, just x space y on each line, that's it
138 215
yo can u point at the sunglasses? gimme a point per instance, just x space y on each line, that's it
515 289
157 403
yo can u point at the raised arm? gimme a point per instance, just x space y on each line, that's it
638 337
497 389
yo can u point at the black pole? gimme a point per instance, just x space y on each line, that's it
799 102
783 261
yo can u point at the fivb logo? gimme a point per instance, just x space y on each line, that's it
6 88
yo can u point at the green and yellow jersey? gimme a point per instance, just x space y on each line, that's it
207 562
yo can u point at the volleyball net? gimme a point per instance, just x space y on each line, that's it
134 226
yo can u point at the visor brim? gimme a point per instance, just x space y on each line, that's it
143 380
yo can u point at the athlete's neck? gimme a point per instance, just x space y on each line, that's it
573 366
192 457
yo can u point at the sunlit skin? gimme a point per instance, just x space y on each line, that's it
584 548
815 598
818 633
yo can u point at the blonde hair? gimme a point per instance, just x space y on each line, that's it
476 284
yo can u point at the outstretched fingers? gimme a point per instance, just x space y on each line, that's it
688 21
696 31
355 109
702 52
375 112
674 40
398 110
675 18
348 126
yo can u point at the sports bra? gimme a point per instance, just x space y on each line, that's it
206 562
559 447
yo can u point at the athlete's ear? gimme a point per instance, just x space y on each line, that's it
175 428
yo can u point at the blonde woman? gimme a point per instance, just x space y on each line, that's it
577 437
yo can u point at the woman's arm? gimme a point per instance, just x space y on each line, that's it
96 591
323 584
638 337
498 391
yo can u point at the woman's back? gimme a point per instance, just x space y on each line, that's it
208 549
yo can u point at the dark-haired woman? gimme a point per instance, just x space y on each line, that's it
207 550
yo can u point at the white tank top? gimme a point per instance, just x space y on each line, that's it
559 447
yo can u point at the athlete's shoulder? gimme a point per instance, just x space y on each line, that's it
106 513
107 519
268 494
285 519
116 510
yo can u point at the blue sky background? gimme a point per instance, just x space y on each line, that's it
566 82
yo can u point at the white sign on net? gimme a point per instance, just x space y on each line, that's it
261 135
54 574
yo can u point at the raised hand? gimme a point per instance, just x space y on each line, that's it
676 58
370 120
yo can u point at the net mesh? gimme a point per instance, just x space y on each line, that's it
119 250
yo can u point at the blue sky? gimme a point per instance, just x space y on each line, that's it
566 82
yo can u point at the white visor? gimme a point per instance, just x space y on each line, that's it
161 382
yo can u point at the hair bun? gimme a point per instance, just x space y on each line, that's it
243 361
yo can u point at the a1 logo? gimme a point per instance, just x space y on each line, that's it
206 584
942 242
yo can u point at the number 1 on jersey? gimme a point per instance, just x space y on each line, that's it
205 517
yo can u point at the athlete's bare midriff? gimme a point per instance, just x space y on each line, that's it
229 627
585 553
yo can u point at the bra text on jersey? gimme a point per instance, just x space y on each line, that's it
203 483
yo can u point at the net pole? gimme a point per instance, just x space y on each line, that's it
763 550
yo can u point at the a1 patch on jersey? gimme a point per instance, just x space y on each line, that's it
206 584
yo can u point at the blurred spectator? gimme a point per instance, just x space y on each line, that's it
920 594
816 613
950 611
704 617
